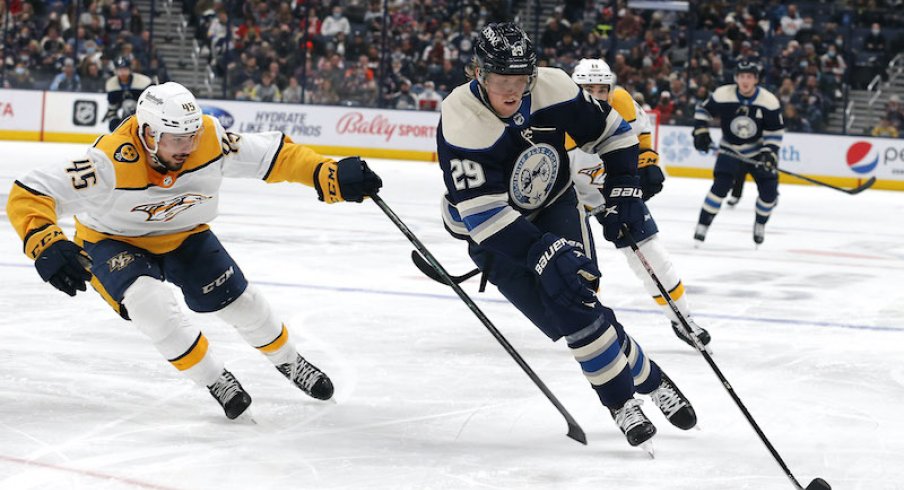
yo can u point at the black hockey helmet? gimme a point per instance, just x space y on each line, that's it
504 48
122 62
748 66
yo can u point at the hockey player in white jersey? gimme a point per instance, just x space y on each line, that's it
589 174
501 147
752 127
142 197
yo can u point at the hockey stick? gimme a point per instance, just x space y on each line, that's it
430 272
856 190
816 484
574 430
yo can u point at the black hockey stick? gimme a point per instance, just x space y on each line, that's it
574 430
816 484
430 272
856 190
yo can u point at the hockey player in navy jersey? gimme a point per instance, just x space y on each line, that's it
752 127
501 147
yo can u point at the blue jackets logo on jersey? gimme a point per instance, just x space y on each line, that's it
743 127
534 175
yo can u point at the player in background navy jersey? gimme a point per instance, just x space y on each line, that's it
751 121
501 147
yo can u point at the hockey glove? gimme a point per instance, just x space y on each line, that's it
349 179
624 206
702 140
111 113
566 275
651 178
59 261
769 160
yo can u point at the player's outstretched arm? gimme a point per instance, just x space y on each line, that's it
58 260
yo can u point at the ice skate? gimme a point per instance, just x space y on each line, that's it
759 232
700 234
230 395
733 201
676 408
636 427
699 332
308 378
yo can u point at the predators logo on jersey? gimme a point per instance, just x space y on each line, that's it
597 174
126 153
170 208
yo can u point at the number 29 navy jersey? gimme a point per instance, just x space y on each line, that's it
498 172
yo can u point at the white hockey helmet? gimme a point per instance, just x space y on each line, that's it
169 108
593 72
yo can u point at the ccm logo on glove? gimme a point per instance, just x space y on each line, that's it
626 192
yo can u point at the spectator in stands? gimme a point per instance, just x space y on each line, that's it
325 94
894 112
20 78
93 80
335 23
428 99
358 85
67 80
666 107
885 129
449 77
875 40
292 93
791 22
404 100
266 90
629 26
793 121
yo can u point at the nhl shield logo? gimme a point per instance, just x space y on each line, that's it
84 113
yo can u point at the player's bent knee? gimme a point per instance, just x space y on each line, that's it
248 310
152 307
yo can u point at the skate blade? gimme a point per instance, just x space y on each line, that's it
648 447
698 243
246 418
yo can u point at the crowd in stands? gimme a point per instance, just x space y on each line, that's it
336 52
70 45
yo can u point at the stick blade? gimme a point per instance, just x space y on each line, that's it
577 433
864 186
819 484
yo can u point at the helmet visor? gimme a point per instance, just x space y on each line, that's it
506 84
179 144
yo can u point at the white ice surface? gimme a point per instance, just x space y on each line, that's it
809 330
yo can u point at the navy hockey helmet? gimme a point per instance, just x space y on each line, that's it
505 49
747 66
122 62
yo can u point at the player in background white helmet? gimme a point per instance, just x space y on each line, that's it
589 174
142 197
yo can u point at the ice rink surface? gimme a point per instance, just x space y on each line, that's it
809 330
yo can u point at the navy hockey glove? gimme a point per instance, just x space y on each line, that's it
624 206
702 140
349 179
566 274
65 266
769 160
651 179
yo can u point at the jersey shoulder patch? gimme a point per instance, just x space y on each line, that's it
467 123
767 100
726 93
553 86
